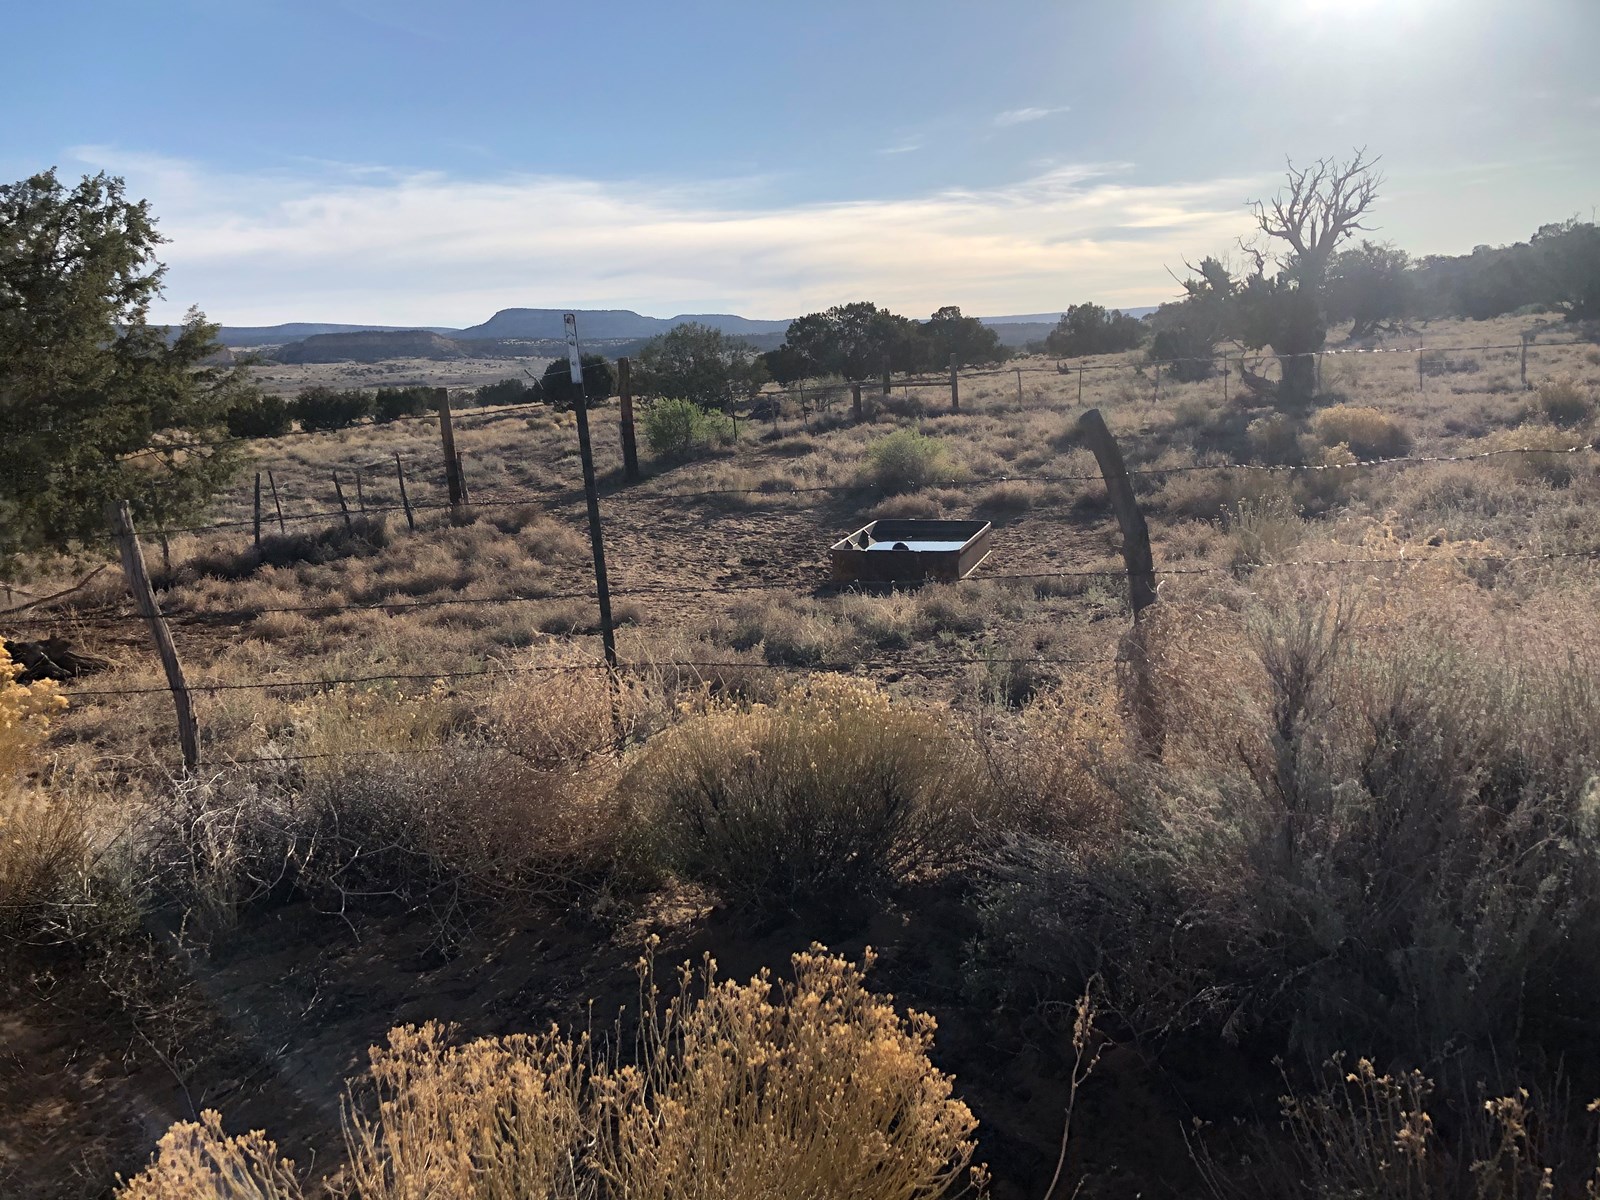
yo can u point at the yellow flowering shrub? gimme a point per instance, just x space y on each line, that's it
25 710
42 836
800 1090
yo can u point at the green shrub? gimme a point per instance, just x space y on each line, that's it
1369 432
682 429
260 417
393 403
907 461
507 391
817 803
319 408
1565 401
1274 440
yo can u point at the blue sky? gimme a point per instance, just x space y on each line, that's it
402 161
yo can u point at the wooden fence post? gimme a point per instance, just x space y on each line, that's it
955 386
1224 381
1019 387
461 478
630 450
1523 368
343 507
1137 560
257 522
1421 384
591 496
361 494
1080 383
277 505
855 402
447 442
405 500
887 386
1135 533
144 599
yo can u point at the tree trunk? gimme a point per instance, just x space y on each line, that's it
1299 380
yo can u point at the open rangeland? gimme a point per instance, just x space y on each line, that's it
1337 794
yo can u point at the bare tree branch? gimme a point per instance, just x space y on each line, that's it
1321 205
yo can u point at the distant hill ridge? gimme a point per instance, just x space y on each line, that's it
606 323
539 325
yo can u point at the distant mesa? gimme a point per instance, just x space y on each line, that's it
371 347
519 332
604 324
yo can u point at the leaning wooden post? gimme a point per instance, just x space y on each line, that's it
343 507
591 495
855 401
276 504
1135 533
257 522
447 442
144 599
955 386
630 449
405 500
1140 567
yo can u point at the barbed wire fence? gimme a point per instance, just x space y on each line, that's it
244 615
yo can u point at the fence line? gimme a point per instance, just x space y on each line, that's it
497 500
239 616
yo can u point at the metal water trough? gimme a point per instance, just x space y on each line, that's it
896 551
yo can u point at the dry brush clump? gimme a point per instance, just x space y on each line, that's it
816 803
1373 835
1354 1130
784 1090
436 802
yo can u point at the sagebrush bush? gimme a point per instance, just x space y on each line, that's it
1274 439
682 429
907 460
1565 401
1361 1132
1359 856
793 1091
526 811
818 802
1369 432
1264 531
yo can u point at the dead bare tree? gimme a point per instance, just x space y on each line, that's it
1321 205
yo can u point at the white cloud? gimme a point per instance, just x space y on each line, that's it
356 245
1021 116
905 147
